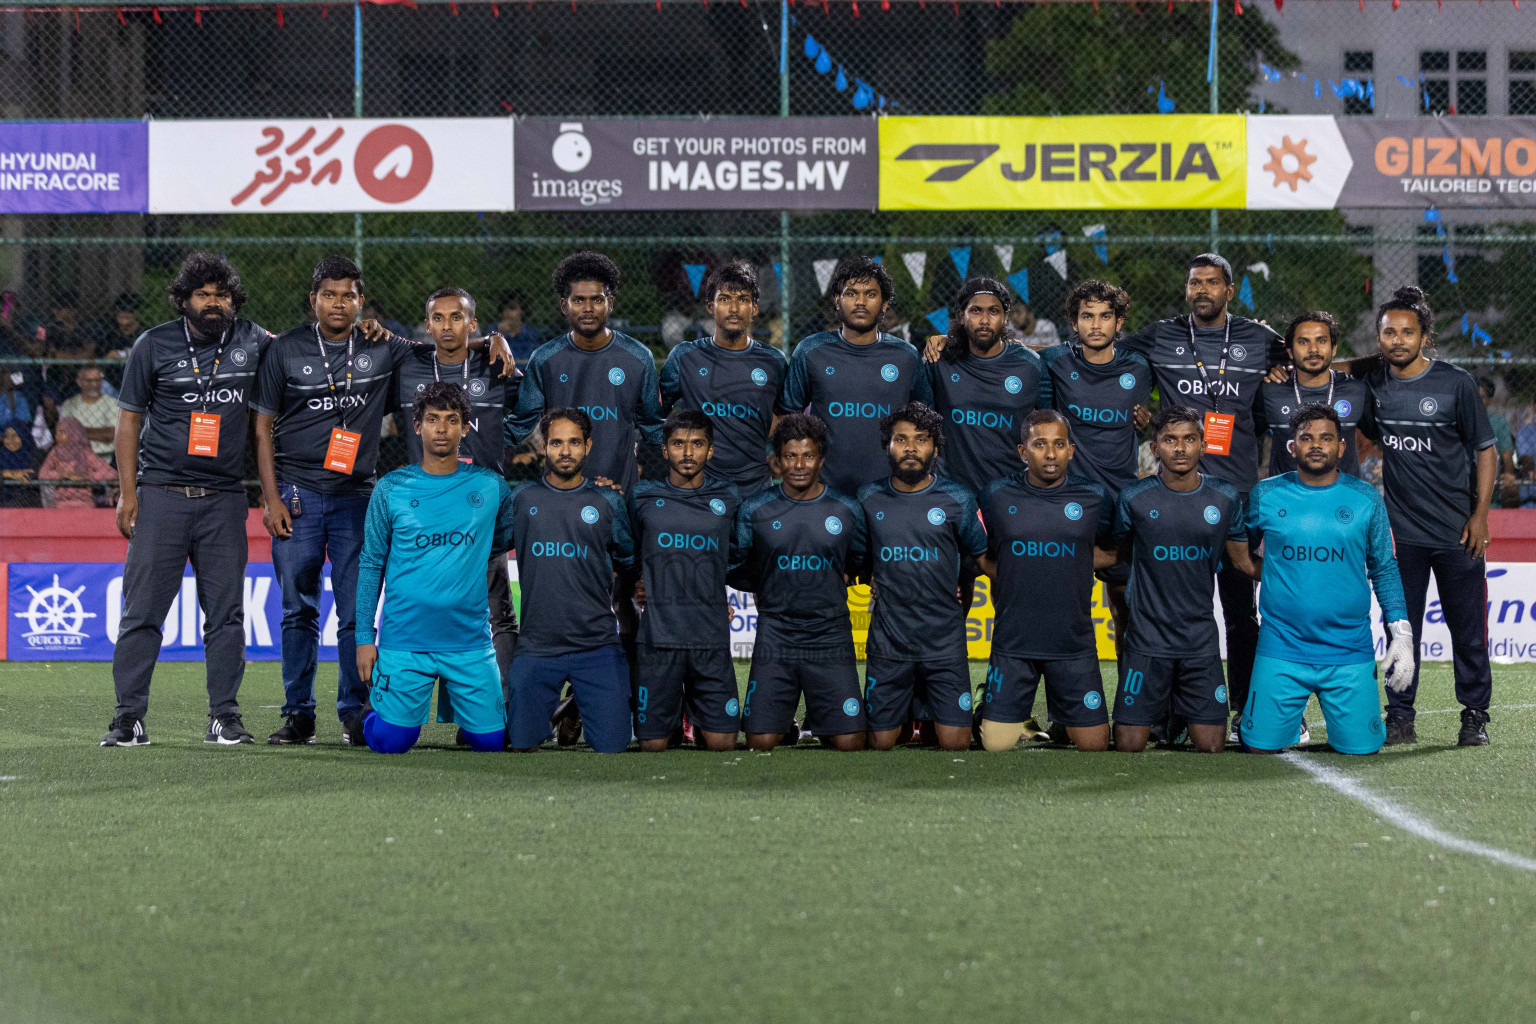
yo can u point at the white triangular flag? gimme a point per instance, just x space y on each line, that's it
1259 268
1004 256
824 269
1058 262
903 331
916 263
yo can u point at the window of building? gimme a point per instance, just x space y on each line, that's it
1522 81
1454 88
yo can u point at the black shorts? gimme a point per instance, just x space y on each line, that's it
897 691
1073 690
827 676
668 678
1194 688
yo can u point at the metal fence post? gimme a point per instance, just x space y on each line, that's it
1213 76
784 294
357 111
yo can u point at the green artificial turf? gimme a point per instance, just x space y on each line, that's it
181 882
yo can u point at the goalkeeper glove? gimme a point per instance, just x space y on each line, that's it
1397 666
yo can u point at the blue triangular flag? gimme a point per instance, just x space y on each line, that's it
842 80
962 258
1464 324
863 95
1480 336
812 48
695 273
778 272
823 61
1052 242
878 259
1020 282
1245 295
1164 104
940 320
1317 88
1450 265
1406 84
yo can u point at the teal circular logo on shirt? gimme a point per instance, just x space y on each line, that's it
732 706
1013 509
1344 514
1127 381
777 524
889 371
1073 510
936 516
1092 700
1212 514
880 516
965 701
834 525
759 377
851 707
1152 514
717 506
703 371
1221 694
589 515
660 502
475 499
1013 385
830 371
1342 407
616 376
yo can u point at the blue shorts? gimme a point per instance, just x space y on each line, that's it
600 680
402 683
1278 695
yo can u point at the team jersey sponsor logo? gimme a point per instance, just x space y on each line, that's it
476 388
834 525
732 706
965 701
589 515
1090 415
1092 699
364 362
729 410
306 371
717 506
238 357
851 707
1239 352
557 549
831 370
1318 553
983 418
777 525
1127 381
880 515
858 410
703 371
936 516
1073 510
449 538
616 376
889 372
1042 549
1429 406
533 510
475 499
1181 553
565 378
687 542
1013 385
1342 407
955 377
909 554
1344 514
759 376
1221 694
1075 375
814 563
661 502
1212 514
1153 514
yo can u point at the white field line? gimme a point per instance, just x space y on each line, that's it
1496 707
1402 817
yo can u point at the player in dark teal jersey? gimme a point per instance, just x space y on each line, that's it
732 378
1175 528
1326 542
853 377
431 528
684 527
1439 470
1312 340
801 543
922 529
1046 533
571 537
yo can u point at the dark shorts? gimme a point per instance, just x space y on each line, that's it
897 691
670 678
1074 690
600 681
1117 575
1193 688
828 678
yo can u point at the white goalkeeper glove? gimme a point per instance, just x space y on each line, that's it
1397 666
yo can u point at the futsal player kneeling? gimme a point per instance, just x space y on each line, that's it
1326 542
429 531
1046 533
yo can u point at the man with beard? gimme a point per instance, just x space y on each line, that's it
683 527
1312 340
571 536
181 442
922 529
1213 362
853 377
732 378
1326 543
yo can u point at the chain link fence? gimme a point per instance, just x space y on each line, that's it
78 288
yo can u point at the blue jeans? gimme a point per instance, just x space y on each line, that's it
328 525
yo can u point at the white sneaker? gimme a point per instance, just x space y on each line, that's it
1306 734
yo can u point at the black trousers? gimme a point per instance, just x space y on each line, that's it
1463 584
1241 613
173 529
498 585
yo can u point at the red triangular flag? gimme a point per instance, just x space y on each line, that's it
856 9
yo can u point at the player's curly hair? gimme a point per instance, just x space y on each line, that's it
336 267
204 268
687 419
1170 414
957 340
799 426
585 266
443 396
735 273
577 416
1316 411
862 268
1094 290
920 416
1316 316
1411 299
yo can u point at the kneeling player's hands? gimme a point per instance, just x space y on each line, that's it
367 657
1397 666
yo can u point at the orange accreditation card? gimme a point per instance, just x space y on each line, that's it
203 438
341 453
1218 433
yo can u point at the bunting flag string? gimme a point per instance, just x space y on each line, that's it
916 263
962 260
1020 282
1058 262
940 320
695 272
1004 256
1096 231
824 270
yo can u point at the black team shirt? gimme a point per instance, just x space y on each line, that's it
616 386
684 538
1097 401
738 391
569 544
916 542
1178 539
1430 429
291 386
984 402
796 554
158 383
1043 540
1279 400
491 399
851 388
1253 350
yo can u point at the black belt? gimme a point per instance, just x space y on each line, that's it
190 492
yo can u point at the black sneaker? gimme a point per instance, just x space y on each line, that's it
1474 731
459 739
127 731
566 722
352 728
227 731
1400 730
298 729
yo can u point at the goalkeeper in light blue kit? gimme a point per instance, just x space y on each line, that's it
430 530
1326 543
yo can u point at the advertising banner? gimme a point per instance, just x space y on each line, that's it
796 163
74 167
1147 161
325 165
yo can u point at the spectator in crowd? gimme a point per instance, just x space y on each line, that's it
1027 329
18 458
13 404
373 311
521 335
97 412
1507 494
118 333
66 338
72 460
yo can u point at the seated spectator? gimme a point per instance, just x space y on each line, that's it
13 404
1027 329
117 335
72 460
1507 493
66 338
96 411
18 460
521 336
